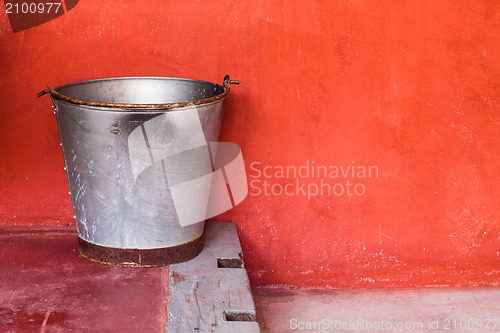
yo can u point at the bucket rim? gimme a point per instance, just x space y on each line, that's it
163 106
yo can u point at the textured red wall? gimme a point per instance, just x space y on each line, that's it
410 87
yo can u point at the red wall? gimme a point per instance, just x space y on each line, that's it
410 87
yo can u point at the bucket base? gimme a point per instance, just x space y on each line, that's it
140 257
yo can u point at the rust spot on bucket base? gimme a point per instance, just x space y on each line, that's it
140 257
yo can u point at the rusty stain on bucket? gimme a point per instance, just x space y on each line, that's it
141 257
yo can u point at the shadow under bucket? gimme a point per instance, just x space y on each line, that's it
121 140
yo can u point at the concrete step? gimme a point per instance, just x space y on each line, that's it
211 293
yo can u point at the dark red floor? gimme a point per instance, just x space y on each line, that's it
46 287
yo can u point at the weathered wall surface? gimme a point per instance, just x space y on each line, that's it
408 88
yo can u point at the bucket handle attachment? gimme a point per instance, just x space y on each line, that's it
51 94
227 81
47 91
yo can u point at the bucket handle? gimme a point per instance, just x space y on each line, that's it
43 92
51 94
227 81
47 91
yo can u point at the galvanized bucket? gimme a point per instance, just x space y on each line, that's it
116 135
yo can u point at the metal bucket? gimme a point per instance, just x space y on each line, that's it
116 135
